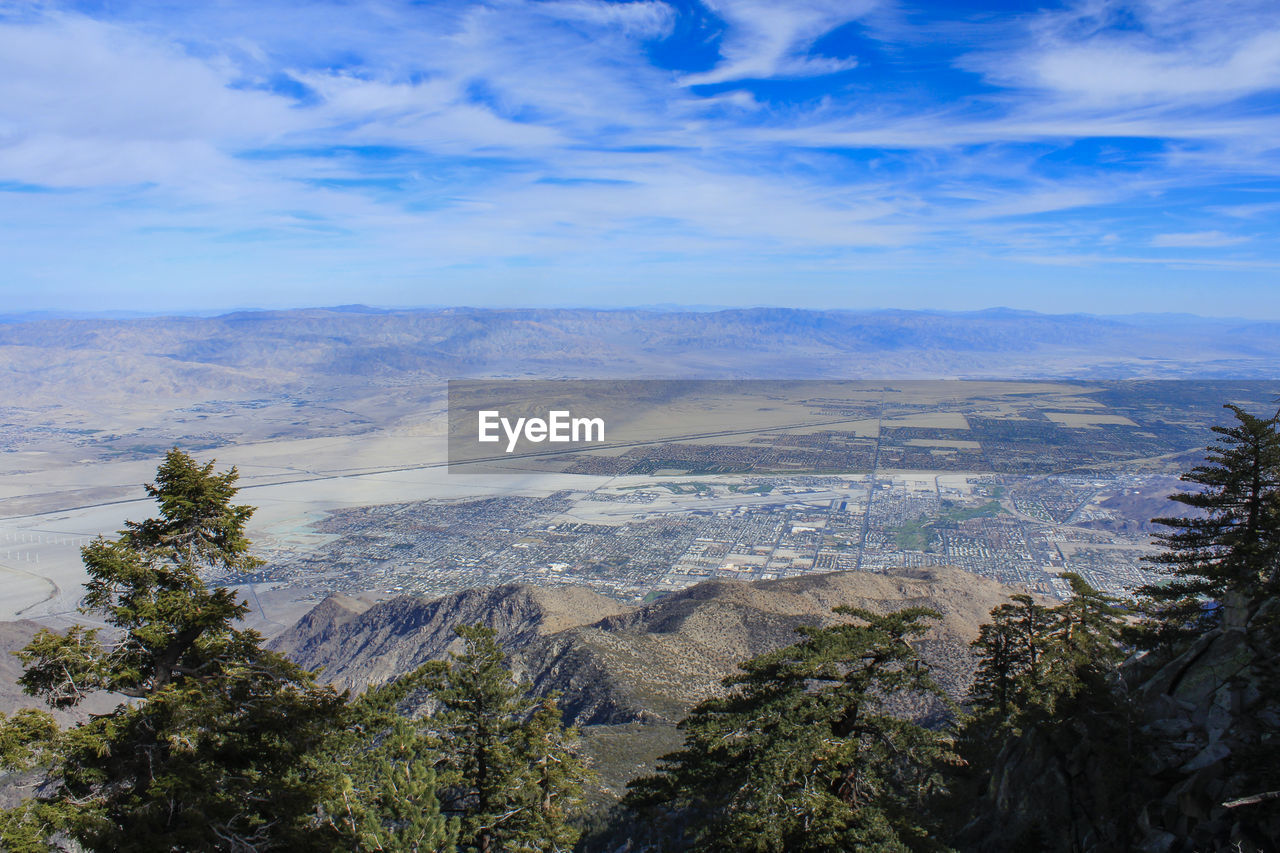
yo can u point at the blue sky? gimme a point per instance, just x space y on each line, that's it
1103 157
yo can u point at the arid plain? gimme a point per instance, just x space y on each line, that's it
327 411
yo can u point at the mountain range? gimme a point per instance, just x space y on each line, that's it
279 351
628 674
128 387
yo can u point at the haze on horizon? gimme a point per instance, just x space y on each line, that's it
1103 157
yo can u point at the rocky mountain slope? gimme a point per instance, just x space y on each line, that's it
359 645
628 674
617 664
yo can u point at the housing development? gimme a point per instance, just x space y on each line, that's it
1018 487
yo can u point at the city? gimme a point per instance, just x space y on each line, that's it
1019 487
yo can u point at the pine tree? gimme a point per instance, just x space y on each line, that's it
1088 627
214 750
28 743
227 746
996 682
1014 673
1229 552
1046 676
803 752
508 770
1031 655
558 773
386 798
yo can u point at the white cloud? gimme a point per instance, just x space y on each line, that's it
1189 51
541 132
1116 70
1246 211
770 38
1197 240
69 74
642 18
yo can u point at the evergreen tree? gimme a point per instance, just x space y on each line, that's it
1046 676
224 745
1031 655
213 751
1229 551
386 796
28 742
508 771
1088 628
1014 672
996 682
1222 565
804 753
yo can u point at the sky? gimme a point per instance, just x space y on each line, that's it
1100 157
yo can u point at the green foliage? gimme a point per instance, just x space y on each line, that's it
919 535
147 585
1089 626
1011 650
803 753
227 746
954 513
26 738
212 762
914 535
488 770
1031 655
1228 551
386 793
198 525
1047 678
214 750
508 771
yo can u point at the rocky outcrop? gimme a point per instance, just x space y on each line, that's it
1211 714
357 645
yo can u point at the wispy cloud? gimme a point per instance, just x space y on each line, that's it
772 38
382 150
1197 240
1247 211
1151 51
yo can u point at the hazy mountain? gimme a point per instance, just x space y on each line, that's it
128 384
278 348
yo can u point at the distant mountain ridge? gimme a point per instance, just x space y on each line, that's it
454 342
106 389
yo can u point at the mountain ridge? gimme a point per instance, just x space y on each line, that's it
615 663
627 677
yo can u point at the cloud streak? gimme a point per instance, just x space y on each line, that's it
1197 240
612 151
772 38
